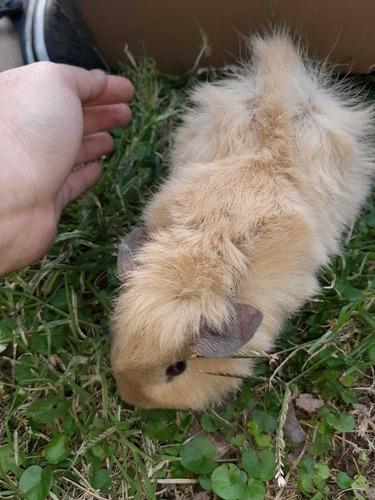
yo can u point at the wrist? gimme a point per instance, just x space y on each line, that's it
9 245
25 235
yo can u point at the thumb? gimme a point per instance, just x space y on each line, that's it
77 183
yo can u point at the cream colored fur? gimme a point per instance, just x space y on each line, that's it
268 169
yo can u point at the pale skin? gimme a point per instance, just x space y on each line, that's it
53 118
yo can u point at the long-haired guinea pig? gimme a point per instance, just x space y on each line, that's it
269 167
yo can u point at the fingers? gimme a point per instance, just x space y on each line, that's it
94 146
98 118
103 98
77 183
96 87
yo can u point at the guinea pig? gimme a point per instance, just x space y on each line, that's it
268 168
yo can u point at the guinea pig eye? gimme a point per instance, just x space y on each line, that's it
175 369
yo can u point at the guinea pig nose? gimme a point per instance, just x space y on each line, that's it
176 369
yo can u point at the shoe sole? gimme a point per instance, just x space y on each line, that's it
29 52
39 45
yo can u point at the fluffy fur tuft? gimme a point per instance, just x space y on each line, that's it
268 169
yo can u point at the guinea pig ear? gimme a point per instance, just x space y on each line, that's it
234 335
128 247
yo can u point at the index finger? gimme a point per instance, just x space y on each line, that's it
95 87
118 89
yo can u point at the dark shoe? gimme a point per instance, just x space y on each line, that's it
52 30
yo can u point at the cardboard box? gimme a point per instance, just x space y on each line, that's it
171 30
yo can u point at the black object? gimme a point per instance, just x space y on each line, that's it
52 30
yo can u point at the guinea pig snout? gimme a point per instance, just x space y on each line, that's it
132 391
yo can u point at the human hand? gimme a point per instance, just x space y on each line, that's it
53 118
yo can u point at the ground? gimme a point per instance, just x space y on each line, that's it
65 434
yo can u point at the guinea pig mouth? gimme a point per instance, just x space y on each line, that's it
134 393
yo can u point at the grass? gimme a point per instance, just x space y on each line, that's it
66 435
